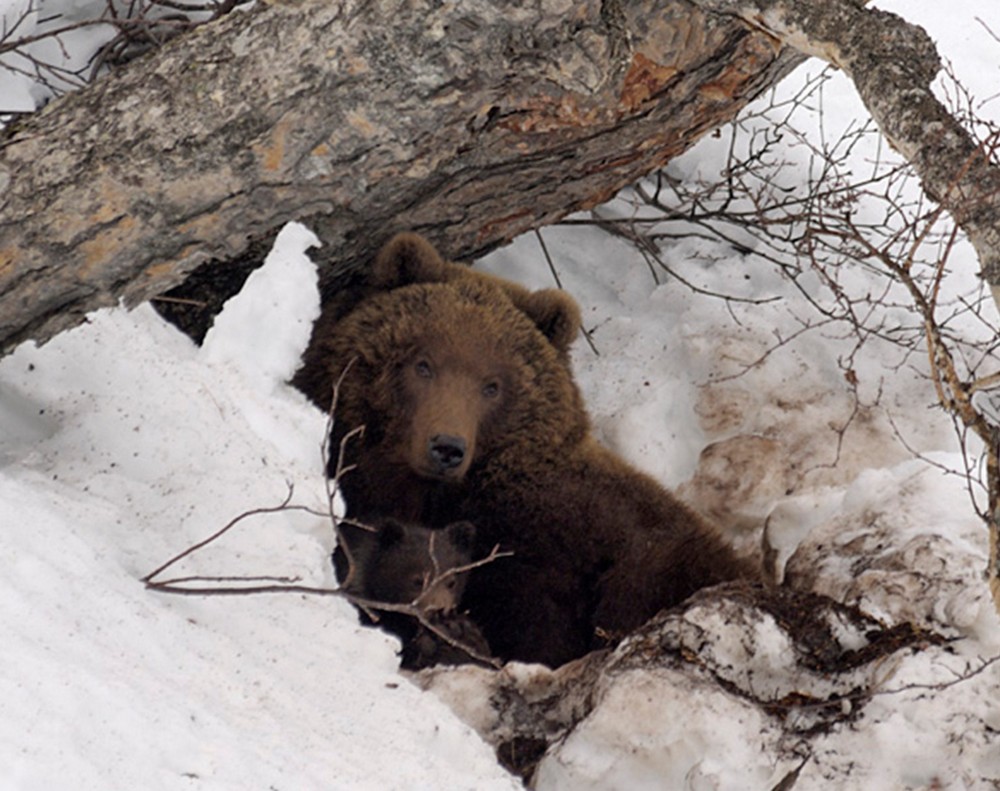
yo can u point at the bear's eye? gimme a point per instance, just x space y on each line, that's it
423 369
491 389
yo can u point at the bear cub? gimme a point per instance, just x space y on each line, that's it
404 563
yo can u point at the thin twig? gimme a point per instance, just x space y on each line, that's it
555 276
219 533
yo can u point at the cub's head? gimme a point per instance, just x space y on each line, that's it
413 564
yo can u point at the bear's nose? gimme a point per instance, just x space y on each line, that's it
446 451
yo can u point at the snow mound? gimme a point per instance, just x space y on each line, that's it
121 446
264 329
744 687
906 546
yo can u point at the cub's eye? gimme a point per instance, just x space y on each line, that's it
423 369
491 390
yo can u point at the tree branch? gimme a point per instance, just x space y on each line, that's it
892 64
470 122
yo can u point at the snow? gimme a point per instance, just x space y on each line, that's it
686 736
281 294
122 444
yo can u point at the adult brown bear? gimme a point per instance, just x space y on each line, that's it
470 412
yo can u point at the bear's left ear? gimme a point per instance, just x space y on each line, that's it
556 314
407 258
462 535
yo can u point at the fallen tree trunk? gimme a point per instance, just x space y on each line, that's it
470 122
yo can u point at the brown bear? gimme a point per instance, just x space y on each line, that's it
402 563
470 412
393 562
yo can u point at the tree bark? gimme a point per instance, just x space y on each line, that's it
470 122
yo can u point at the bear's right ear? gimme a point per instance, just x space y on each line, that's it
390 532
556 314
407 258
462 535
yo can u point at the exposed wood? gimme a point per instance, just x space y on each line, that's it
471 122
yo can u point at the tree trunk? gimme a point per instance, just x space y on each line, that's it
470 122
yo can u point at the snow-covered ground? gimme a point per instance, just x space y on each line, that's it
121 444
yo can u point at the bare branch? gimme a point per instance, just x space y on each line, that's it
892 64
284 506
828 230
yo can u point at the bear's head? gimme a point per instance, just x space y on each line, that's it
408 258
448 376
412 564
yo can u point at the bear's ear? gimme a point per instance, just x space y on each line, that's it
556 314
462 535
407 258
390 532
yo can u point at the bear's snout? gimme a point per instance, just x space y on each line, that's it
438 598
446 452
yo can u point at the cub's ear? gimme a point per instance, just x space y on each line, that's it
390 532
462 535
556 314
407 258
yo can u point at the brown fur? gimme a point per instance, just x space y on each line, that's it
404 563
408 259
598 546
401 563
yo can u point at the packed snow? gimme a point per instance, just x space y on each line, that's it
123 444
